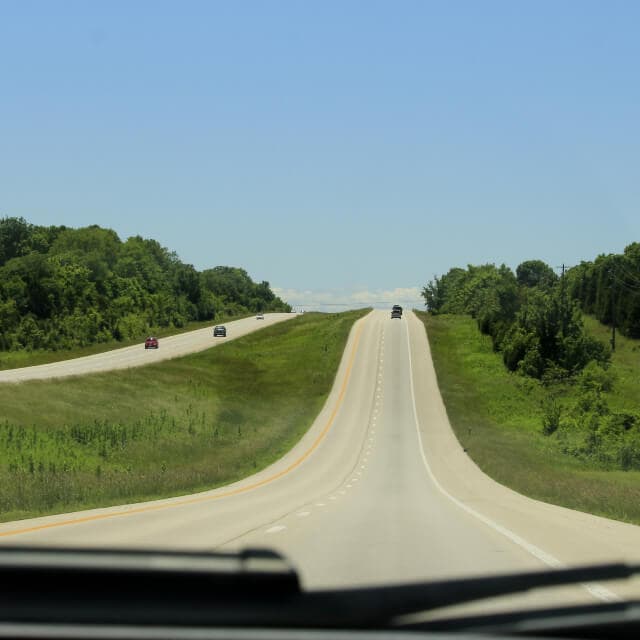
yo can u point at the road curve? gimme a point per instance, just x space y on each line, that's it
136 356
377 491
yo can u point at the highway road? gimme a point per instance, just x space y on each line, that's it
137 356
378 491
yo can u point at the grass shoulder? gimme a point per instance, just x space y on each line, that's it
171 428
497 416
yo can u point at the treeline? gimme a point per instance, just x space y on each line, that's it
62 287
609 289
532 320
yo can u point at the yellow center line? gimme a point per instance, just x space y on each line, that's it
217 496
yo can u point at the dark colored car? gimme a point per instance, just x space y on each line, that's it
151 343
219 332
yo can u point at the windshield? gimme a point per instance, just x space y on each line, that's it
431 207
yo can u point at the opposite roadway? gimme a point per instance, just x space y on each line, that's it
378 491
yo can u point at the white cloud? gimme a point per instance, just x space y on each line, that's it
340 299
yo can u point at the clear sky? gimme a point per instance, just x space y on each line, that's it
341 150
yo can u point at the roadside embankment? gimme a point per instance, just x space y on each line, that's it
498 418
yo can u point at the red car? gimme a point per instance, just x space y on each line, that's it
151 343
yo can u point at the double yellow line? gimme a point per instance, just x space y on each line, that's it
222 494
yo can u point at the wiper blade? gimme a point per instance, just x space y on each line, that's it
603 620
386 606
395 601
248 569
254 588
142 587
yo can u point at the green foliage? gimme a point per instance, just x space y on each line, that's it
548 337
14 238
487 293
595 377
551 414
529 316
62 288
592 432
609 288
233 288
587 428
535 273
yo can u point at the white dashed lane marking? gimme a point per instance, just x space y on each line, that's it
365 456
276 528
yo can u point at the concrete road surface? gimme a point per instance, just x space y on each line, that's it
378 491
137 356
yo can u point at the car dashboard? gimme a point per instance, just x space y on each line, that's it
256 595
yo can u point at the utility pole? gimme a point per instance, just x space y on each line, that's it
613 309
564 306
563 301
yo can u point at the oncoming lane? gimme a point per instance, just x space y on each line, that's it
136 356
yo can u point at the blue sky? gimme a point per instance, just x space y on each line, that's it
344 151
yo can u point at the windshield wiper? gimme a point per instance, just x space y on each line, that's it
394 601
254 588
601 620
40 584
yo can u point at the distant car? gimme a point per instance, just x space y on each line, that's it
151 343
220 331
260 316
396 314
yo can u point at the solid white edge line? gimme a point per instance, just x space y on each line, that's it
598 591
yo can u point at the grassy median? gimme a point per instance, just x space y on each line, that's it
497 416
175 427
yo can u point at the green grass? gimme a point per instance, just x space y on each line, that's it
28 358
497 416
176 427
625 363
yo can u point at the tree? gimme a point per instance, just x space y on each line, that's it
535 273
14 238
547 337
61 287
529 317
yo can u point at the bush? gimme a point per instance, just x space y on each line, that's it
552 413
595 377
515 346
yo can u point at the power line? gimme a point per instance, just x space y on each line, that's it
627 274
625 285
